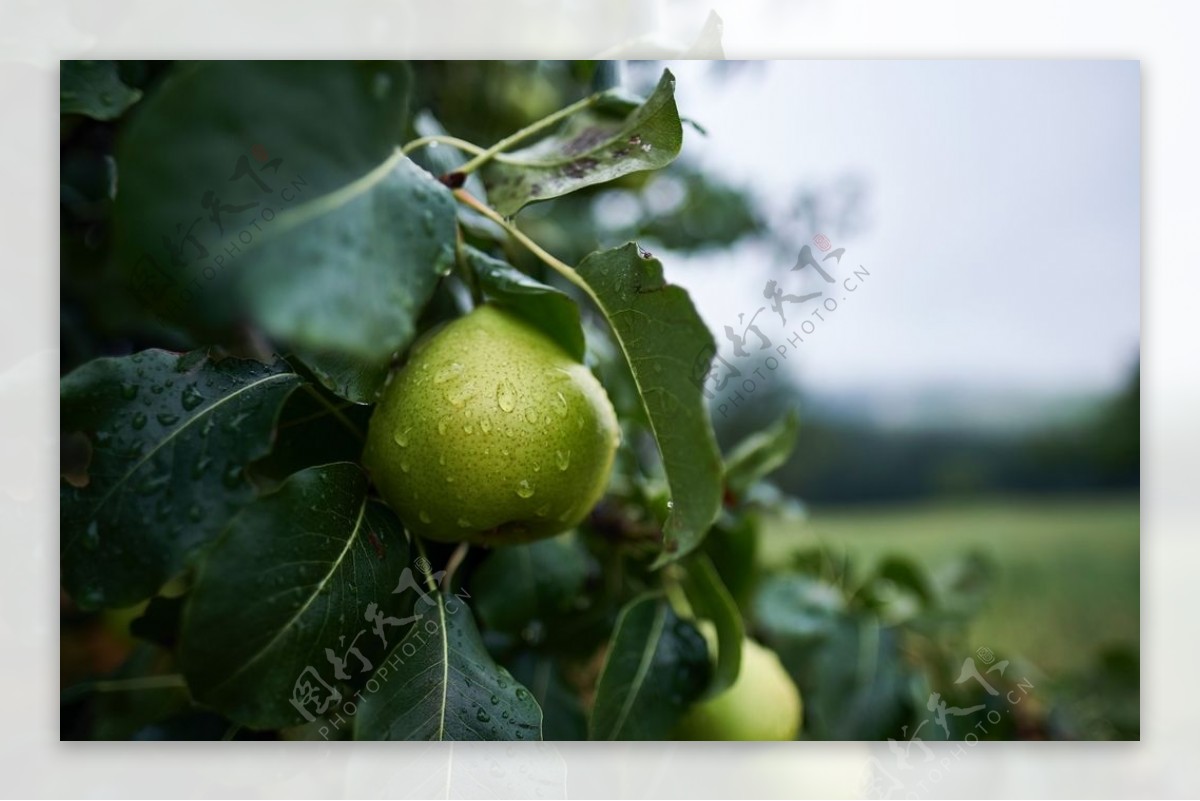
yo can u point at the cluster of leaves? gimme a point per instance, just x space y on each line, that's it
295 262
212 502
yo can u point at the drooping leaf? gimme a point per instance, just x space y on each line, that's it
170 436
662 338
443 685
761 453
733 547
94 89
351 377
712 602
657 665
552 311
238 200
615 137
349 273
534 582
292 587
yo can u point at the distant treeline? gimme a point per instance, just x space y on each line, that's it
841 462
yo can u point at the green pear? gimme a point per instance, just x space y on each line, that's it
491 434
763 704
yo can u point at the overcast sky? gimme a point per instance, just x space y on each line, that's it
1001 223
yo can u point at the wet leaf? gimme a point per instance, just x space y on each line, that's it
761 453
296 579
554 312
657 665
443 685
712 602
239 200
615 137
663 338
171 436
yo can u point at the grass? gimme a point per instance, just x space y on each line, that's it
1068 580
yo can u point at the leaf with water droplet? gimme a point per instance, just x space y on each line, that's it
544 307
657 664
245 644
540 580
658 324
613 138
440 687
146 478
191 397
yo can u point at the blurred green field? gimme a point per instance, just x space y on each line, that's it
1068 580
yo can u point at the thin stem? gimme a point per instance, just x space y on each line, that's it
563 269
428 569
526 132
468 275
456 559
164 682
452 141
336 412
676 594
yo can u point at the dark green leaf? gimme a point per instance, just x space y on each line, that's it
520 584
563 717
349 272
711 601
733 546
238 200
170 436
657 665
297 577
350 377
798 607
662 337
855 680
611 139
908 575
443 685
552 311
761 453
849 667
94 89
